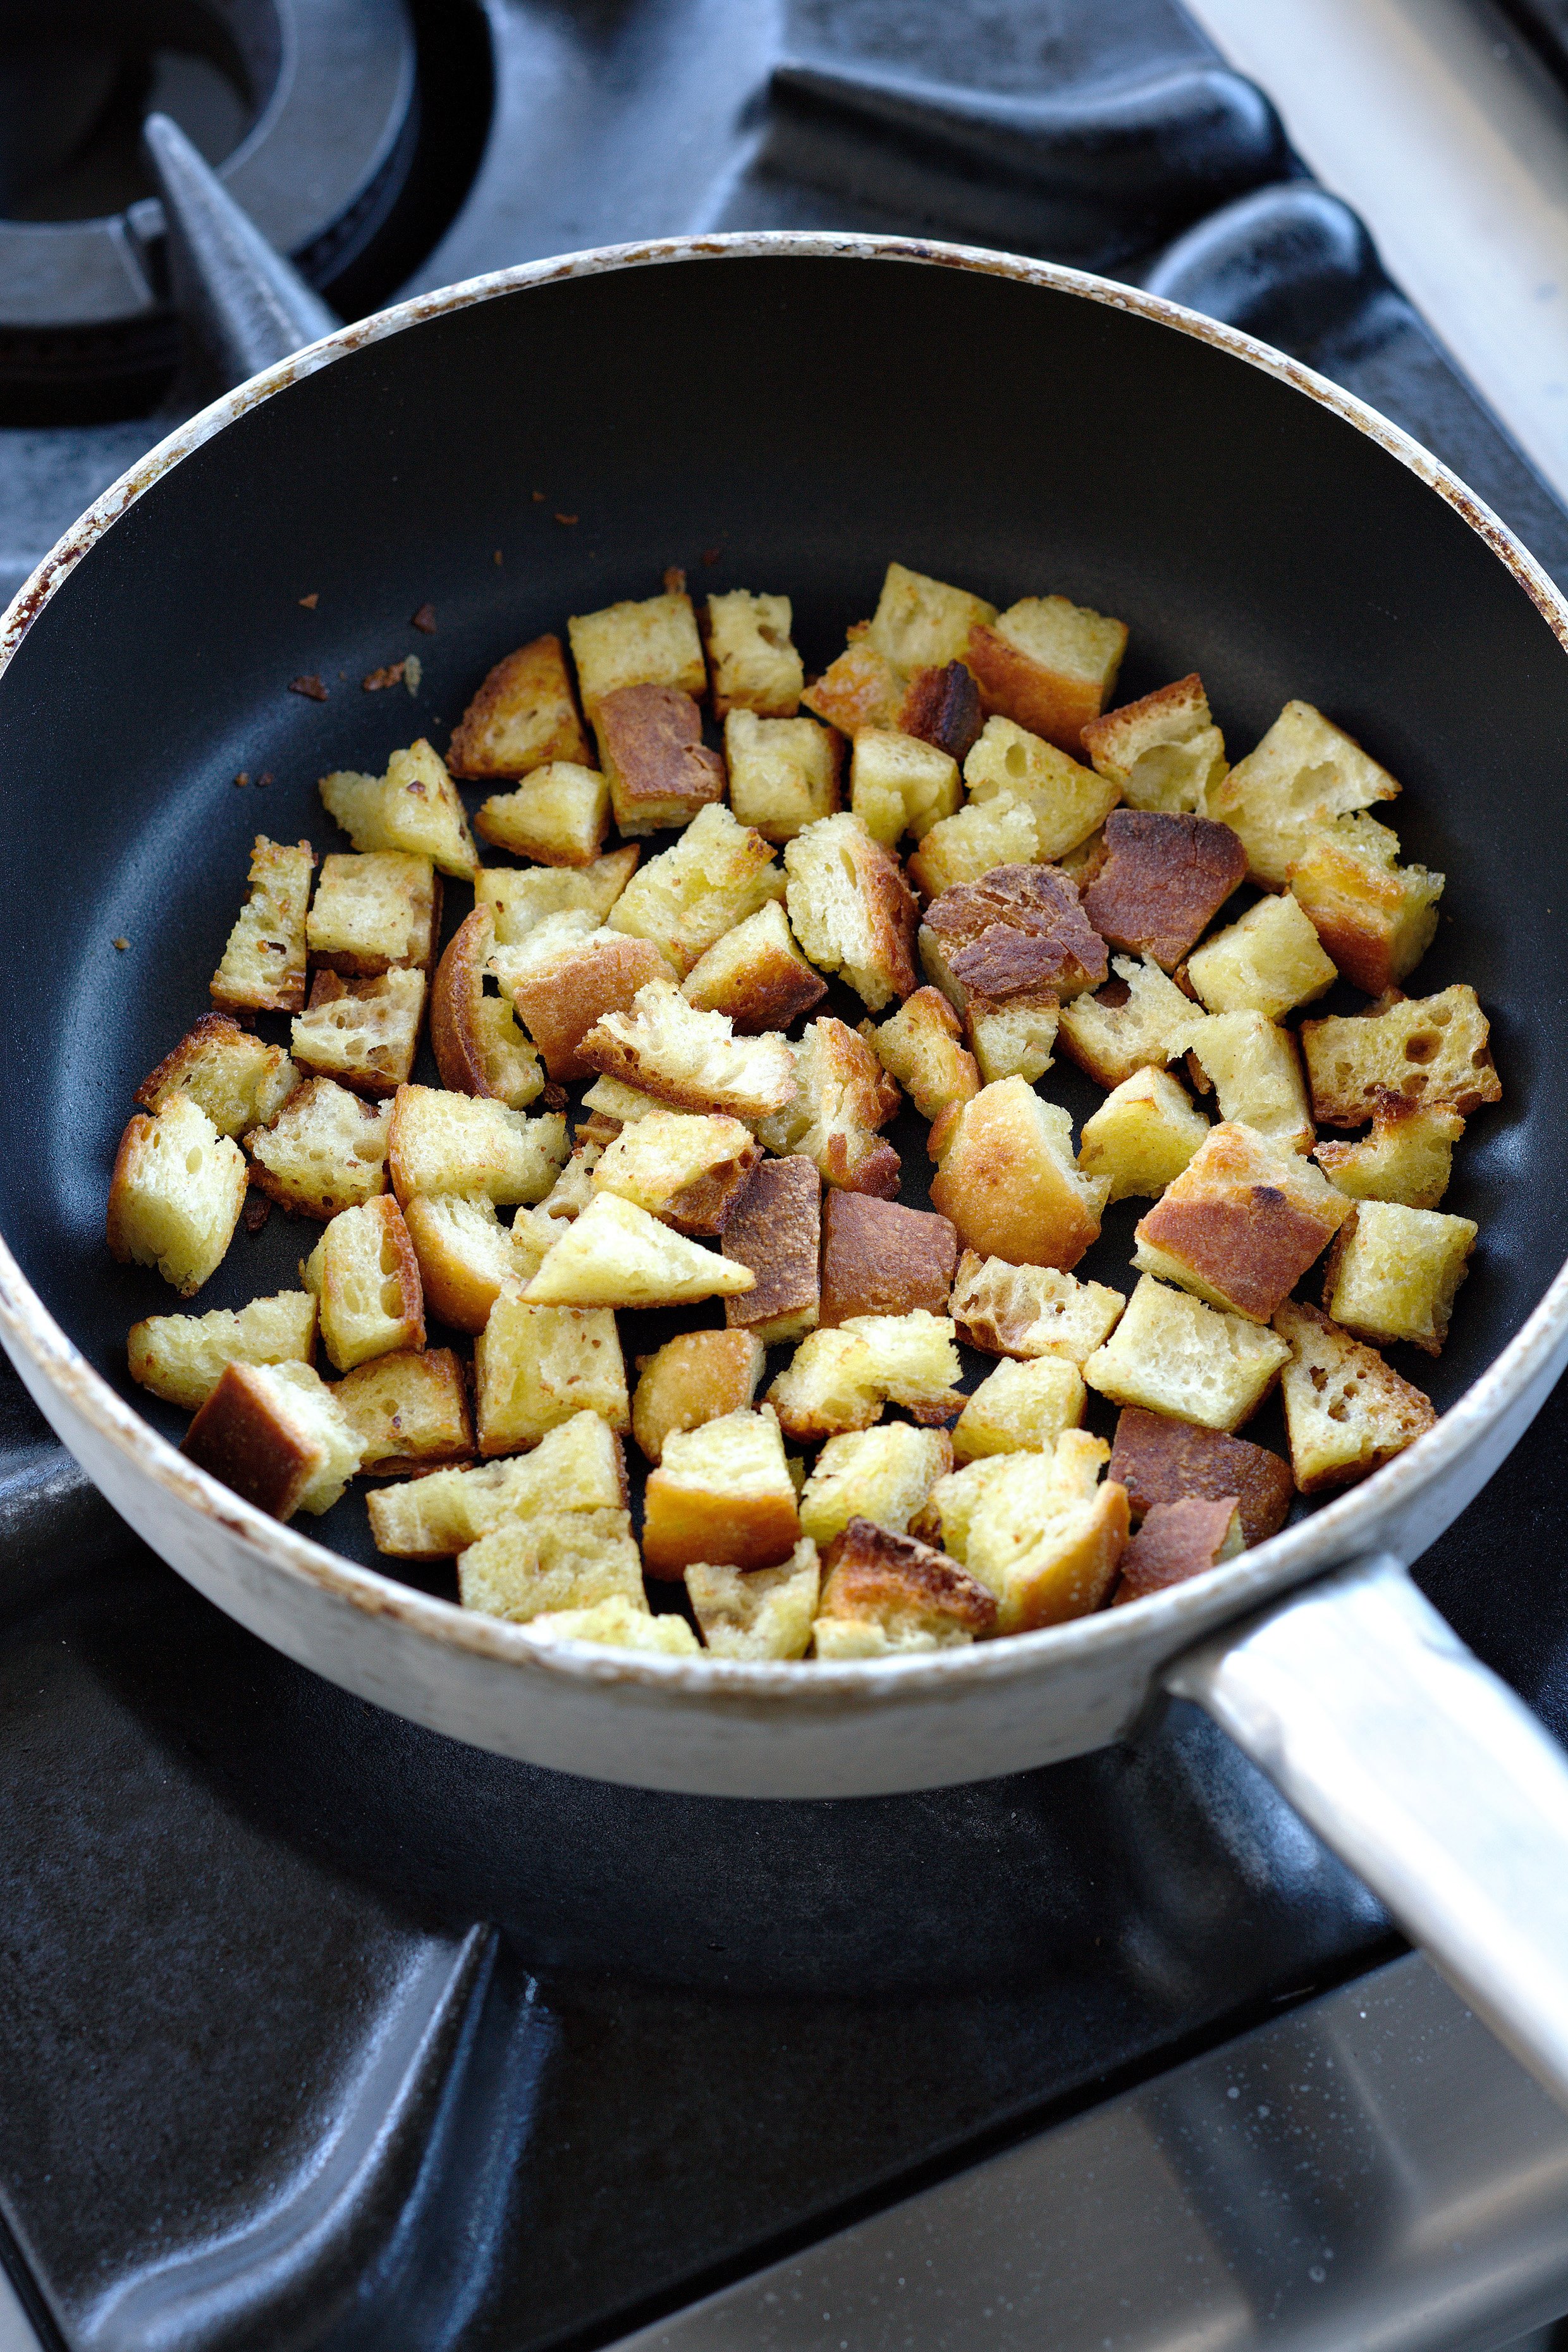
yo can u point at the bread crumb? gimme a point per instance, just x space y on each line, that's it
378 678
568 520
312 601
424 620
309 686
122 945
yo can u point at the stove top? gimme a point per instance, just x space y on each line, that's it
322 2031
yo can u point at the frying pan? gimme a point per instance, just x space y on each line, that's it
790 412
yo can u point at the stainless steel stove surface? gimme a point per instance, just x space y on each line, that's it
320 2031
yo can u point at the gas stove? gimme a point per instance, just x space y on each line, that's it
324 2032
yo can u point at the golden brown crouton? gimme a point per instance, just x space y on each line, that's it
842 1378
755 666
687 897
439 1142
181 1357
722 1494
684 1166
984 835
565 976
1143 1135
1164 881
373 912
414 808
888 1595
325 1151
1012 1035
784 773
1164 750
861 688
761 1612
899 784
1031 1310
1252 1065
618 1624
176 1193
882 1474
1178 1541
365 1277
1375 918
1010 1183
1020 1408
274 1434
1431 1050
1408 1155
942 709
1021 927
560 816
263 967
537 1366
520 899
651 643
551 1563
616 1254
774 1230
879 1258
467 1257
693 1061
1066 802
409 1411
1268 963
1050 664
1395 1271
1162 1461
576 1466
920 623
697 1376
660 770
237 1078
1040 1530
851 909
1305 772
1242 1223
919 1046
523 717
1175 1355
843 1095
756 975
1346 1412
363 1033
478 1047
1128 1026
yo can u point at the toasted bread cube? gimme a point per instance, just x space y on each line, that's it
535 1367
888 1595
1018 929
1164 750
1010 1183
842 1378
572 1189
660 770
520 899
565 976
879 1258
1176 1542
439 1142
1395 1271
414 808
1020 1408
882 1474
983 835
920 623
364 1273
651 643
181 1357
1164 881
1160 1461
851 909
755 665
275 1435
1376 917
1173 1355
696 1377
478 1047
618 1625
373 912
861 688
1012 1035
560 816
234 1075
362 1032
1268 963
898 784
613 1105
1143 1135
843 1096
686 898
409 1411
774 1230
691 1060
1432 1051
1408 1157
722 1494
176 1193
1129 1025
1346 1411
324 1152
263 967
756 975
1305 772
784 773
467 1257
1066 801
1040 1530
550 1562
942 709
1031 1311
616 1254
763 1612
919 1046
1242 1223
1048 664
523 718
1253 1068
682 1167
575 1467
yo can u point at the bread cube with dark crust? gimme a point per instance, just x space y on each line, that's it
753 663
756 975
898 784
684 1166
176 1193
1050 664
1241 1223
275 1435
1011 1185
649 642
784 773
775 1229
722 1494
697 1376
686 900
843 1095
362 1032
1164 881
565 976
861 688
237 1078
1429 1050
1160 1461
1346 1411
325 1151
879 1258
478 1047
373 911
887 1595
1178 1541
660 770
560 815
1022 928
523 716
263 967
1407 1157
1375 918
519 899
1164 750
852 910
410 1412
942 707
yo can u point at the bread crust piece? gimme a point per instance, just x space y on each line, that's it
1010 1185
756 975
373 910
696 1377
843 1095
410 1412
1021 929
181 1357
686 900
1241 1223
1346 1411
523 716
722 1494
1162 1461
663 1047
879 1258
1050 664
563 980
263 966
683 1166
942 707
478 1047
913 1596
660 770
362 1032
1175 1355
774 1229
1429 1050
1028 1311
237 1078
176 1193
851 909
273 1432
1408 1155
1164 749
1178 1541
1164 881
325 1151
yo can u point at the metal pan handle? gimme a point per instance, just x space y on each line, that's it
1425 1773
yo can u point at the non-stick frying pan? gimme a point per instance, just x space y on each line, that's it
789 413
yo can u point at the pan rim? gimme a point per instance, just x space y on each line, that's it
1354 1524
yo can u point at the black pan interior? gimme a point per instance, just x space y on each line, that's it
779 422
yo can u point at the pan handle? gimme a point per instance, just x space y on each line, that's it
1425 1773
